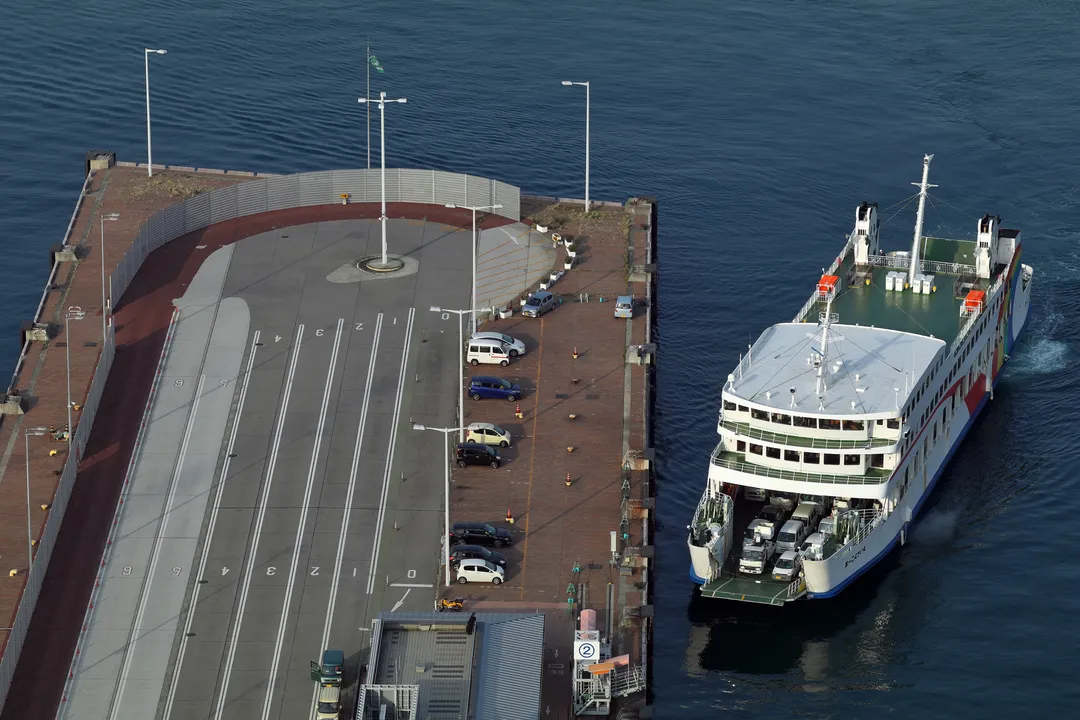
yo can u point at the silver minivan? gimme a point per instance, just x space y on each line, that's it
809 512
791 535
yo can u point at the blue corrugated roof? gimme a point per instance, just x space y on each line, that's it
511 669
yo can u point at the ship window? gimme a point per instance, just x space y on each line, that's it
806 422
773 452
810 458
852 459
832 459
791 456
743 408
756 449
880 421
759 414
781 418
740 446
728 405
877 460
894 423
935 432
854 425
827 424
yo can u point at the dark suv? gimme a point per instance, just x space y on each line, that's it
476 454
476 552
478 534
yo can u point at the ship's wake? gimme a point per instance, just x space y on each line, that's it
1039 353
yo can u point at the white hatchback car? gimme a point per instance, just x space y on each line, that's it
514 346
487 434
475 570
787 567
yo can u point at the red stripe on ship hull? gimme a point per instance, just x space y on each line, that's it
978 389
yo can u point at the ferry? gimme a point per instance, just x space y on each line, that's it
835 427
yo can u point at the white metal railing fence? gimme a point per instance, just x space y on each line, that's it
903 262
831 270
260 195
991 298
47 539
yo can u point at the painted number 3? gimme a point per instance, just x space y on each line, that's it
319 332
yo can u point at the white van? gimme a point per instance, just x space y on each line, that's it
791 535
809 512
827 526
489 352
813 548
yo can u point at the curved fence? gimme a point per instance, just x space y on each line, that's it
285 192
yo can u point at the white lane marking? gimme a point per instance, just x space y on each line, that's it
390 455
118 700
245 586
512 237
401 602
305 510
412 585
210 529
353 472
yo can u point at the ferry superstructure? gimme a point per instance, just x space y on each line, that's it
849 414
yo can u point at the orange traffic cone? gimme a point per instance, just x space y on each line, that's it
517 411
509 517
575 352
567 479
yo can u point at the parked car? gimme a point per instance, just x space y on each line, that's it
773 516
813 548
514 346
624 307
487 434
791 535
470 453
479 571
489 352
788 566
493 387
473 533
476 552
538 303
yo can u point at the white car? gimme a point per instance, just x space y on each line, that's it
788 566
514 346
487 434
813 547
475 570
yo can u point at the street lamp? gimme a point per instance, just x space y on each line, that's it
73 313
452 206
446 494
104 307
461 363
382 158
586 85
149 156
36 432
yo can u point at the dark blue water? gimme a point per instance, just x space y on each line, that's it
760 125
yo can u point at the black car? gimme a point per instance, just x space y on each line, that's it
774 514
478 534
476 552
476 454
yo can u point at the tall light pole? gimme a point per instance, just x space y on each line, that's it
104 308
35 432
460 361
149 155
446 494
73 313
586 85
452 206
382 159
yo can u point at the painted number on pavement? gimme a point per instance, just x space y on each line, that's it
271 570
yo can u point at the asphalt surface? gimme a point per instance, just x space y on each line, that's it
280 499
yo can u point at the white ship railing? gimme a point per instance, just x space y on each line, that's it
830 271
778 474
903 262
868 521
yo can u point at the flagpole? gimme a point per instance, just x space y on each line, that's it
367 63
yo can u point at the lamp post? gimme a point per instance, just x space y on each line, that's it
73 313
149 155
452 206
461 363
382 158
586 85
104 308
446 494
35 432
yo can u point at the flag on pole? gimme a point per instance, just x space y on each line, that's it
375 63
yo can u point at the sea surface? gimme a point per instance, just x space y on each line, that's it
759 125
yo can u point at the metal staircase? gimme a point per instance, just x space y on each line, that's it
627 681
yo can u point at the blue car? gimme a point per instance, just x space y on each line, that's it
493 387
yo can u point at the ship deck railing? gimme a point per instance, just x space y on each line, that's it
735 461
934 267
746 430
